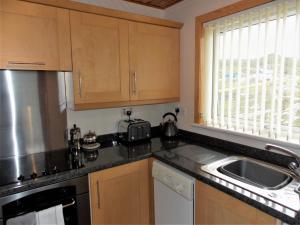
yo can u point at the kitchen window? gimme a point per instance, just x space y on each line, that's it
249 71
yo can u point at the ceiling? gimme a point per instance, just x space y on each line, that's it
161 4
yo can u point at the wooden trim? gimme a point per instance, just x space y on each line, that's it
67 4
231 9
199 36
87 106
151 192
153 5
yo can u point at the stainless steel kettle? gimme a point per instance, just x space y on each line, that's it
169 127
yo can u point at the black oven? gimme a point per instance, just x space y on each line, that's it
73 195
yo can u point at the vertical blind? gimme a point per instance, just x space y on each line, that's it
251 74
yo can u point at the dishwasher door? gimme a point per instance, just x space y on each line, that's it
173 195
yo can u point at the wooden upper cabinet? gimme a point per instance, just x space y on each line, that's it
34 37
120 195
214 207
100 59
154 62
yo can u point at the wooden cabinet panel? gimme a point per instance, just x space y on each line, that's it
151 192
120 195
154 62
34 37
214 207
118 63
100 58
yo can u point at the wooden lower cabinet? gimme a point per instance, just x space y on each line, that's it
121 195
217 208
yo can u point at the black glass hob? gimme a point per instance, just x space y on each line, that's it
22 168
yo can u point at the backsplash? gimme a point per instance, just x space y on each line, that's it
105 121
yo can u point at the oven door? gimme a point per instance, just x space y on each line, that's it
71 194
66 196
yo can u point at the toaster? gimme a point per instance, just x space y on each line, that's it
134 130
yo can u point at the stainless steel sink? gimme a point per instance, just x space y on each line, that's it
270 184
256 173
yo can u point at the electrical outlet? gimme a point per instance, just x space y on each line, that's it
125 111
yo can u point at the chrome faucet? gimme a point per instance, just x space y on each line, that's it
293 166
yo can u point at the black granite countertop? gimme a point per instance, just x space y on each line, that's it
106 157
188 154
193 168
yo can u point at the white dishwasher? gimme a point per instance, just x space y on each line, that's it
173 195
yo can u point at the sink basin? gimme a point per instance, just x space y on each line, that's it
256 173
258 180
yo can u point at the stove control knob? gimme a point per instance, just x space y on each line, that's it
33 175
45 172
21 178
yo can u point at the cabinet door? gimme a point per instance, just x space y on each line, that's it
100 59
34 37
120 195
214 207
154 62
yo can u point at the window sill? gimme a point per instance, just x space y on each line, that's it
241 138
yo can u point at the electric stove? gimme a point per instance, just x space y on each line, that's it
21 168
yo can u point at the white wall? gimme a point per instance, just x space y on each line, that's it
105 121
185 12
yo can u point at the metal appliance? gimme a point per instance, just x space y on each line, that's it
90 143
33 112
173 195
72 194
75 134
134 130
75 146
15 170
169 127
33 144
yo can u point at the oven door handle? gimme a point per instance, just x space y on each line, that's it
70 204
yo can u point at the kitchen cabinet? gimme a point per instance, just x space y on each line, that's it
154 62
216 207
117 59
120 195
34 37
117 62
100 60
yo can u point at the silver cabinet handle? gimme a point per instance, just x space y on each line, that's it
80 85
98 195
134 90
27 63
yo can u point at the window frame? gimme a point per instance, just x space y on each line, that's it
199 45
